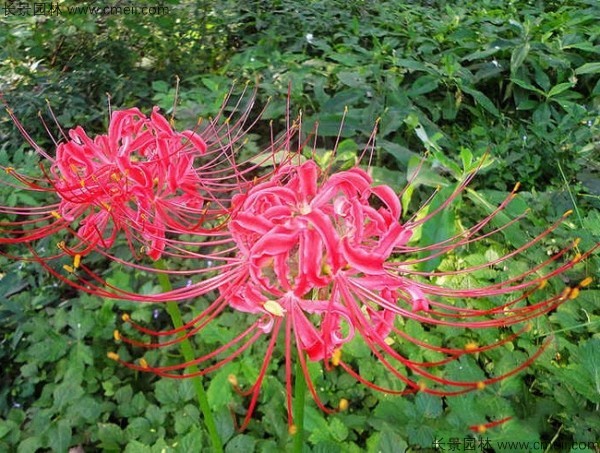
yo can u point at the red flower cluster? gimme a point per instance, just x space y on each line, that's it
317 258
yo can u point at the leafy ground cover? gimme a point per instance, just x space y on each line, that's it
517 80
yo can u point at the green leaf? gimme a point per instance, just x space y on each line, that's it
428 406
482 100
436 229
59 436
30 444
136 446
66 393
166 391
241 442
110 436
190 441
413 65
518 56
423 85
351 79
526 85
220 391
588 68
561 87
390 442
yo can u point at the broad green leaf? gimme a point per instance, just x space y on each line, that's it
241 442
166 391
526 85
220 392
437 228
110 436
588 68
482 100
423 85
428 406
59 436
561 87
351 79
391 442
518 56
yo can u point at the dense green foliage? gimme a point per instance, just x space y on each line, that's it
519 80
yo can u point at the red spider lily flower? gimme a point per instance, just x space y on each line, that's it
322 259
142 179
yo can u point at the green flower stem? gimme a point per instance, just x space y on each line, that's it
188 355
299 400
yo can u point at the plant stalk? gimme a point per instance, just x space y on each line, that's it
299 401
188 354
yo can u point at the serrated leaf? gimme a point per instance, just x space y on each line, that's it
166 391
241 442
59 436
428 406
220 392
391 442
110 436
190 441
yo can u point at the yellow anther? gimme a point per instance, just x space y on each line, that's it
113 356
274 308
326 269
293 429
56 215
143 363
232 380
117 335
481 429
106 206
565 293
115 177
576 258
125 317
585 282
336 357
528 327
576 242
61 245
155 181
389 341
422 386
568 213
343 404
9 170
68 268
517 185
574 293
76 261
480 385
543 284
471 346
82 183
